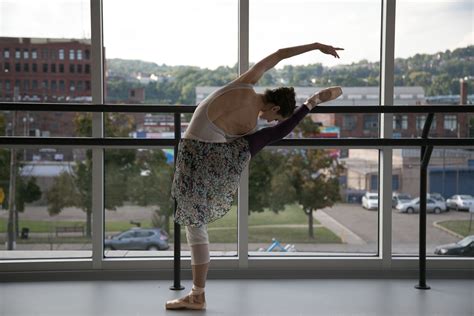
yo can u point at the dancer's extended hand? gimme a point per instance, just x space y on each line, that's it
330 50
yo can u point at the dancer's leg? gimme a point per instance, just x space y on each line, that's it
198 240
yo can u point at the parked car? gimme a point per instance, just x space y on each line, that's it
413 206
464 247
138 239
370 201
436 197
400 198
460 202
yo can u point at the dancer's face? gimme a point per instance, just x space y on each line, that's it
271 114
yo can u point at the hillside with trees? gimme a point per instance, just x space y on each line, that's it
438 74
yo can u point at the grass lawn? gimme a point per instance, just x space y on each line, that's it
293 214
459 227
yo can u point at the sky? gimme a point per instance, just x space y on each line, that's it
204 33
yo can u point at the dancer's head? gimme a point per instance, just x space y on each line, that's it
279 104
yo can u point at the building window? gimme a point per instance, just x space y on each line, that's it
72 68
17 84
61 54
450 122
87 54
17 53
80 86
34 84
71 54
72 86
45 84
26 85
61 85
79 54
349 122
26 54
6 53
26 67
53 54
395 182
87 69
420 121
371 121
79 69
34 67
45 53
34 53
88 85
53 85
45 67
7 85
6 67
400 122
53 67
61 68
17 67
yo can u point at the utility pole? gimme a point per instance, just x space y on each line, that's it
12 192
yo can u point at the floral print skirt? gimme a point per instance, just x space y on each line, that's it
206 178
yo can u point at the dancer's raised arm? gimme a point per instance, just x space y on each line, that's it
256 71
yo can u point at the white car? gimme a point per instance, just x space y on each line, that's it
370 201
432 206
460 202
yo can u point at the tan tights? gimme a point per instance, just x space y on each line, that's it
198 240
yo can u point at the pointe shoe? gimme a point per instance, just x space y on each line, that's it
195 302
330 93
325 95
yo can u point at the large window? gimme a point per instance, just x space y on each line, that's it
301 201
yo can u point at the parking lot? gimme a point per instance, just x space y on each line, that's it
364 224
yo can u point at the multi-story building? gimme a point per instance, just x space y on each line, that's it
45 69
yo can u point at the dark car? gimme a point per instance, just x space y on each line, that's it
464 247
138 239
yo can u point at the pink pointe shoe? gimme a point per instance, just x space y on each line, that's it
330 93
325 95
190 301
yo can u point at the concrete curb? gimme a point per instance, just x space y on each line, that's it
437 225
347 236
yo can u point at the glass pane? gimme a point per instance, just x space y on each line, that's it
34 67
139 209
450 188
434 57
51 216
165 50
280 24
313 202
138 206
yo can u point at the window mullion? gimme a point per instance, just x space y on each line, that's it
97 79
386 131
243 196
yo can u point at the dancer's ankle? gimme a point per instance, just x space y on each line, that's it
196 290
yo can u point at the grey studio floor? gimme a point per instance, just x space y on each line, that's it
241 297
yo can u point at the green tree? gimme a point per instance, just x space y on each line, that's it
152 186
119 165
